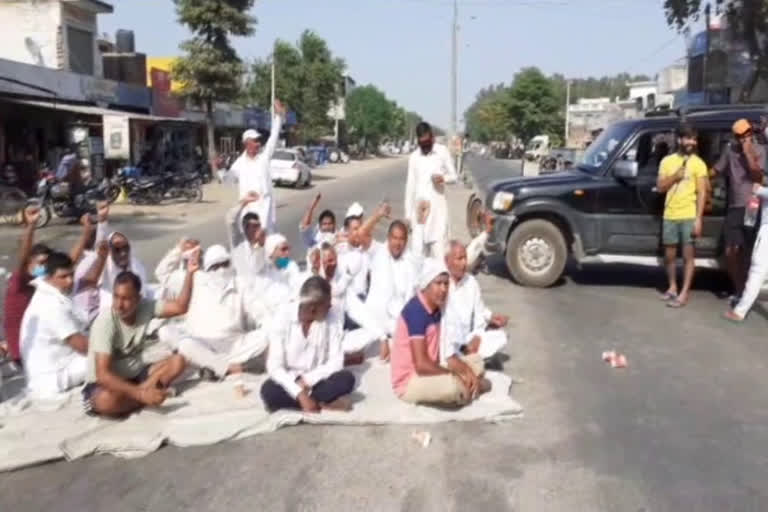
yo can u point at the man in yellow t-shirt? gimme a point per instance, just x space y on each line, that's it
683 177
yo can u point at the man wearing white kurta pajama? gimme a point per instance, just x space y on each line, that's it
429 168
470 326
218 333
252 171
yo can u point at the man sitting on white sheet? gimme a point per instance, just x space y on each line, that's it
469 323
217 335
120 378
53 343
424 368
324 231
246 240
394 278
121 259
305 359
172 269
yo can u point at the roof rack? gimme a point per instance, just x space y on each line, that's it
731 107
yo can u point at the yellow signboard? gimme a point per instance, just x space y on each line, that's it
164 64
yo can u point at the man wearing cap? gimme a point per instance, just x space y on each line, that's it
218 334
742 164
425 367
252 170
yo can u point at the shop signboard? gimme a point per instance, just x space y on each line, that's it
163 102
98 90
117 137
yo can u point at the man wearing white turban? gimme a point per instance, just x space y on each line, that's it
252 170
218 334
422 370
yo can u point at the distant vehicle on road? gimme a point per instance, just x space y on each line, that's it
606 209
288 168
537 148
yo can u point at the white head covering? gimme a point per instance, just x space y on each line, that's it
215 255
251 134
356 210
431 269
273 241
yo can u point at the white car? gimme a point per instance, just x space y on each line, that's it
288 168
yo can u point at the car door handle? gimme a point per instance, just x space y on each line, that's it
655 190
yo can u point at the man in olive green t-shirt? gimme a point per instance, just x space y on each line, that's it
683 177
119 379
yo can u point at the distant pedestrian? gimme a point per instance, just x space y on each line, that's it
742 163
683 177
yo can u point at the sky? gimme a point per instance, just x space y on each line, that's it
404 46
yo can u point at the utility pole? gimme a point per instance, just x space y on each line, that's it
272 102
705 81
567 111
454 68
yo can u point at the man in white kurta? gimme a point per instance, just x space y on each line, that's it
252 170
471 327
247 237
429 169
218 333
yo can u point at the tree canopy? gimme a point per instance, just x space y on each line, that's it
210 69
370 115
308 79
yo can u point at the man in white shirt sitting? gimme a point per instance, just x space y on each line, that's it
324 231
53 343
246 240
217 328
471 327
305 360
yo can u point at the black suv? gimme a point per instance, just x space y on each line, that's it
606 209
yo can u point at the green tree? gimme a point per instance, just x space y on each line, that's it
532 106
370 116
210 69
308 78
747 22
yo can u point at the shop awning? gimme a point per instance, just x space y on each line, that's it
91 110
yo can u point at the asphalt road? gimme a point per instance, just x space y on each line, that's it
685 427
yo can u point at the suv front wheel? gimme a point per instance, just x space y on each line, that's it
536 253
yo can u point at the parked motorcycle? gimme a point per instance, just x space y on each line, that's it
55 197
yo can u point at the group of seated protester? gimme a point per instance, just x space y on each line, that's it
89 318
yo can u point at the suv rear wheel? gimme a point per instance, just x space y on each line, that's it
536 253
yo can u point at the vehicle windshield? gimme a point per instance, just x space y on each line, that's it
604 147
284 155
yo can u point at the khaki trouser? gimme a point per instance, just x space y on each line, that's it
442 389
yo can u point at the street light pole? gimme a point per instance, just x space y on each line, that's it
567 110
454 68
272 102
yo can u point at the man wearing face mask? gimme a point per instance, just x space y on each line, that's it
429 168
218 337
53 343
31 266
246 240
252 170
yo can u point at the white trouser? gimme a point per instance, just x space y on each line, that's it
357 340
758 271
217 355
67 377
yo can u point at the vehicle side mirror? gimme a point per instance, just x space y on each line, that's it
625 170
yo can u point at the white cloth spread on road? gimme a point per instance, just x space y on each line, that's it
51 365
419 187
254 175
209 413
